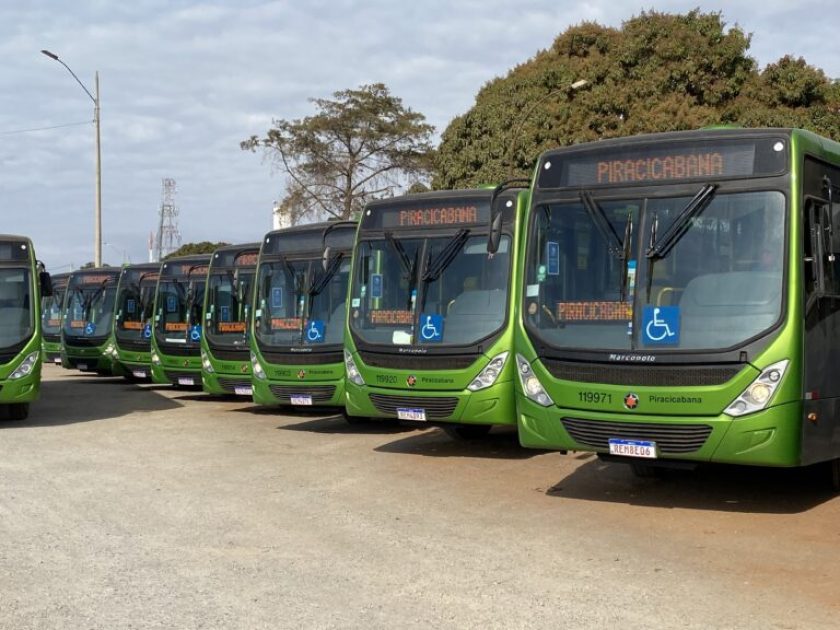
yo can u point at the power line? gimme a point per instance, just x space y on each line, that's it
16 131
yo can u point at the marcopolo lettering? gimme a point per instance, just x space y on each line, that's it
633 358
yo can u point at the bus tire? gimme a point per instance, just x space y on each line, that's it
18 411
464 432
645 471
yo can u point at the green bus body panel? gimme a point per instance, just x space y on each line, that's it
494 405
27 388
770 437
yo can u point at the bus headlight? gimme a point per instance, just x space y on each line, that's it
489 374
531 385
155 358
759 393
257 368
205 362
26 366
110 350
352 371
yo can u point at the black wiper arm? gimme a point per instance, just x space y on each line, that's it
397 247
625 255
446 256
599 218
320 284
680 225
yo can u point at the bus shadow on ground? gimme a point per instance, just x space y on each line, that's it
500 443
87 398
327 421
720 488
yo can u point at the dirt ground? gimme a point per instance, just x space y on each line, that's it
125 506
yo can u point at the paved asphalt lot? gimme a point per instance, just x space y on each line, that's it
125 506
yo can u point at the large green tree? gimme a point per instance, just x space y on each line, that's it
658 72
361 144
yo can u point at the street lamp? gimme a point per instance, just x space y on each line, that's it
97 229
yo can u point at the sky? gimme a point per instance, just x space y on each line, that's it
183 82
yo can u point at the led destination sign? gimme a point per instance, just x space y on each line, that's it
664 162
93 278
429 214
246 259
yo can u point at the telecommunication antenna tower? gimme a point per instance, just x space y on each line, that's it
169 236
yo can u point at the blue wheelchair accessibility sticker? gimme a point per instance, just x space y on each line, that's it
131 306
90 328
195 333
431 328
315 331
552 257
376 286
276 297
224 314
147 331
661 325
171 304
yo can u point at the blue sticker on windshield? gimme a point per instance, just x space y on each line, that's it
224 314
171 304
90 328
431 328
376 286
661 325
147 331
315 331
195 333
552 257
276 297
130 306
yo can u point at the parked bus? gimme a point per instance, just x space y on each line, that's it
51 311
133 319
22 285
678 300
225 353
176 330
430 331
88 320
299 311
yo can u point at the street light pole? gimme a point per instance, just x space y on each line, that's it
97 225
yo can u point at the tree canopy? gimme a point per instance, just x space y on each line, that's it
203 247
361 144
658 72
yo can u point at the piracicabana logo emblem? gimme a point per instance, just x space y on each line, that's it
411 381
631 401
243 368
302 373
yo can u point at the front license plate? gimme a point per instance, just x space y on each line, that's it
301 399
57 360
81 366
185 380
139 374
411 414
633 448
242 391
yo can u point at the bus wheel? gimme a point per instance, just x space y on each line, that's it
834 466
646 471
466 431
19 411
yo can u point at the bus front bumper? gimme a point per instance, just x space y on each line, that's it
237 382
21 390
493 405
184 376
766 438
86 359
272 392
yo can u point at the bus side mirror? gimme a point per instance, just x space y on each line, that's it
46 284
325 258
495 234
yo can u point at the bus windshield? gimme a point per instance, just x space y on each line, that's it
301 304
695 272
51 313
179 305
436 290
228 305
135 304
15 307
90 307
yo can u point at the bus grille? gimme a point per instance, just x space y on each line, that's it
173 377
230 384
52 337
437 407
82 342
179 351
640 375
90 364
319 393
417 361
301 358
669 438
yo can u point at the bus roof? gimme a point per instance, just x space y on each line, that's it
242 255
15 248
182 266
310 238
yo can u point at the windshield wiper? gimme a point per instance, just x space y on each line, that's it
599 218
323 280
625 256
409 265
660 247
446 256
400 250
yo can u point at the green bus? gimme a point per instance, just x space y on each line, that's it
225 352
51 312
430 327
22 285
176 330
298 320
678 300
133 320
88 319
